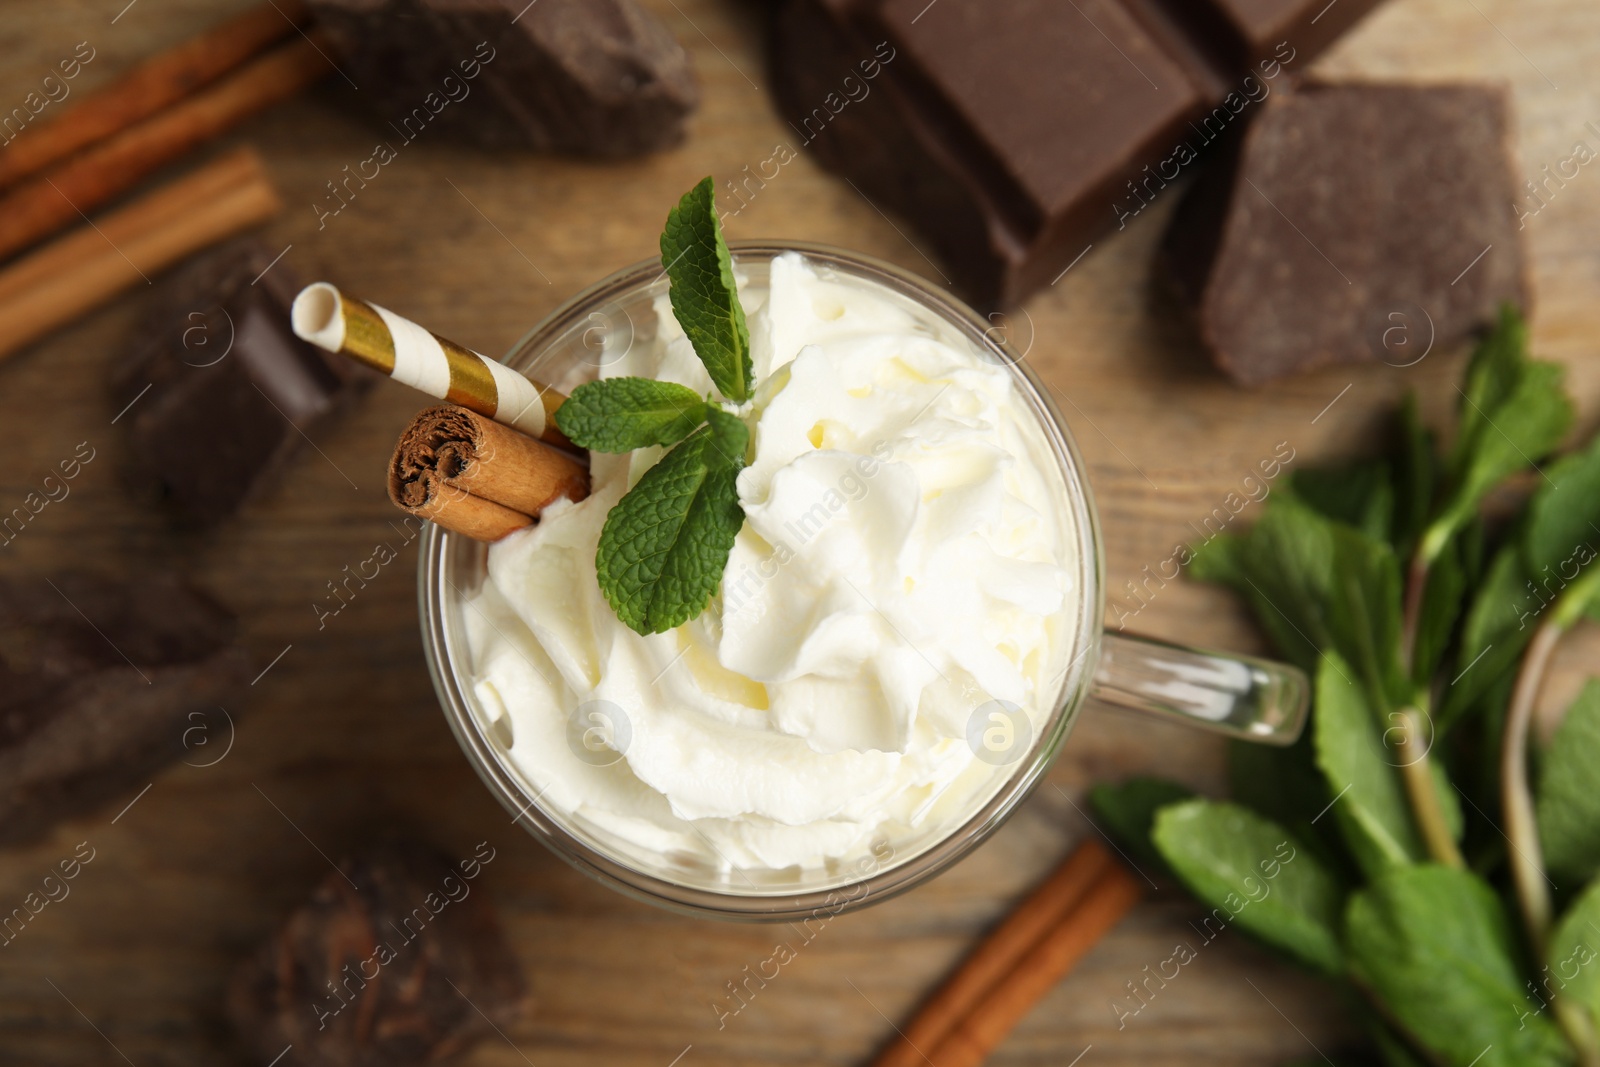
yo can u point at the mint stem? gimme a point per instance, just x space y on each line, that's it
1522 829
1574 1022
1416 587
1416 773
1416 769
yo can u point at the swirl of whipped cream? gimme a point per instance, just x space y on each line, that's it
906 560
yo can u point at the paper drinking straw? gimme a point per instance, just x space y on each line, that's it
338 322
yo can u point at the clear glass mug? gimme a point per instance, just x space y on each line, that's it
1244 697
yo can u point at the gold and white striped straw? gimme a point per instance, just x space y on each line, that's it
409 354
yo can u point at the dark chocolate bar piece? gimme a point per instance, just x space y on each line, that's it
602 78
1244 33
397 959
219 390
101 683
1015 134
1352 223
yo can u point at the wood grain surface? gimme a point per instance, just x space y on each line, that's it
342 736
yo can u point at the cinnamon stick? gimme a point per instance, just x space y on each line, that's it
77 272
57 197
1027 954
972 1039
998 955
150 86
478 477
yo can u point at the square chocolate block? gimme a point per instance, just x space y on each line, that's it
220 389
1353 223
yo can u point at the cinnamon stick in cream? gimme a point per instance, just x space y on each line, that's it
477 477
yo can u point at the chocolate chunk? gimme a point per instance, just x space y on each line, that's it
598 78
102 682
1015 134
1354 222
1244 33
396 959
231 390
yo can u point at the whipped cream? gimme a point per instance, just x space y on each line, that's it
907 564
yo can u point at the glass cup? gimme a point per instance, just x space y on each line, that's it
1247 698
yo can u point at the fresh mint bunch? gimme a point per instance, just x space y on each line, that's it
1436 884
665 544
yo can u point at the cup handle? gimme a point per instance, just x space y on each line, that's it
1244 697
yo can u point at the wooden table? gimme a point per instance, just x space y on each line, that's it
343 737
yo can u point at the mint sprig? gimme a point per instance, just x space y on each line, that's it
704 298
1421 889
665 544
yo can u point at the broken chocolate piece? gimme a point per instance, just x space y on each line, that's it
1015 134
599 78
1243 33
101 683
1354 223
397 959
220 390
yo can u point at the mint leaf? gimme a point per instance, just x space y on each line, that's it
1521 429
1567 802
1442 598
1514 411
1371 810
1496 629
665 544
729 437
704 297
1491 374
1357 494
1562 516
1392 1048
1255 873
622 414
1417 472
1364 613
1281 566
1220 560
1573 954
1317 585
1285 785
1434 945
1562 532
1128 811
